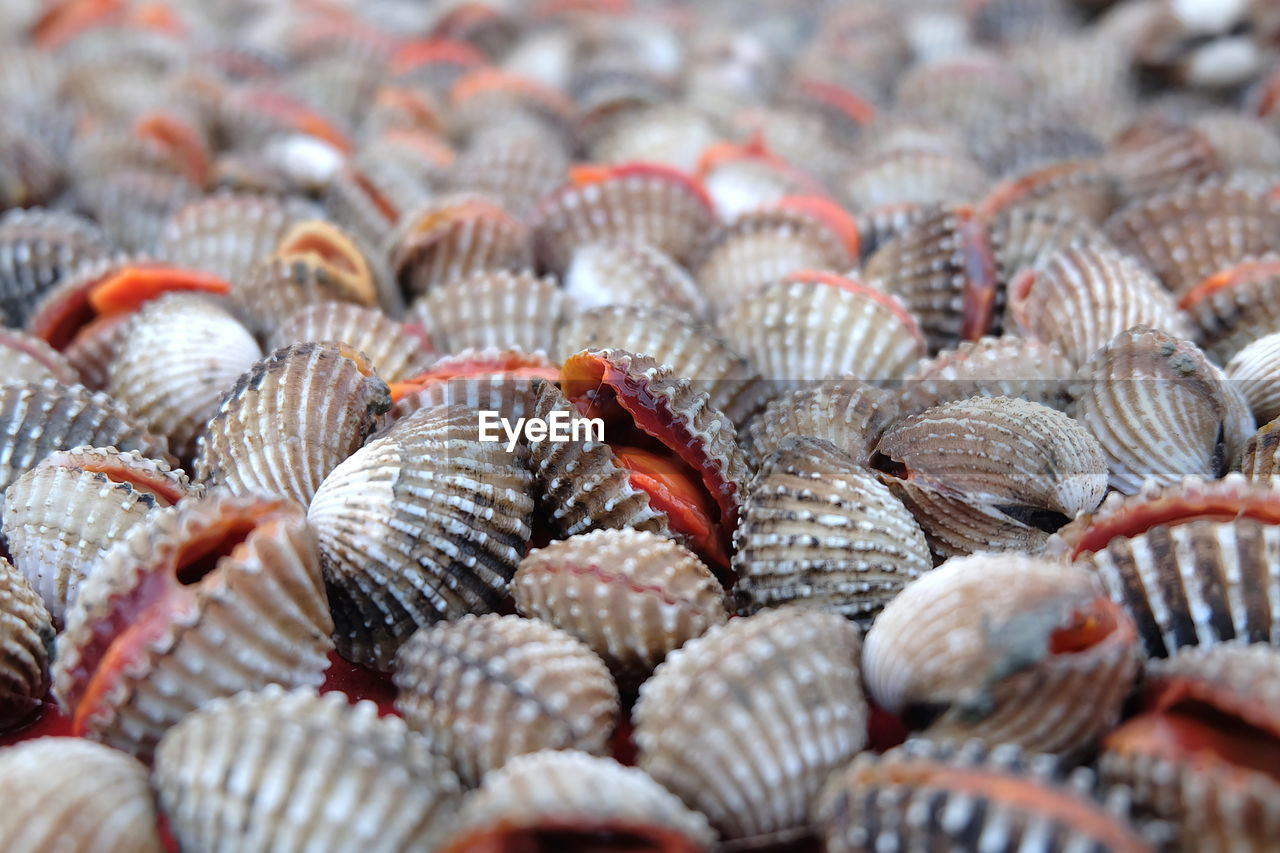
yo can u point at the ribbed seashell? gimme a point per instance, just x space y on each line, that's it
850 414
1255 371
177 357
275 770
66 512
1242 141
276 288
992 473
1077 66
967 90
1235 306
493 308
990 367
1007 648
239 575
1157 153
1198 583
930 796
630 595
746 722
1159 409
879 225
395 351
290 419
692 349
942 269
516 169
638 202
1187 234
488 97
228 233
760 247
1258 460
1079 189
1082 296
26 646
917 176
484 689
740 178
37 418
1203 754
1045 134
818 530
454 237
576 798
423 523
73 795
674 134
501 380
617 273
38 248
354 273
28 358
1026 236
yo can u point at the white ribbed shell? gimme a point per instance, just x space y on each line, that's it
26 641
494 308
395 353
1256 372
622 273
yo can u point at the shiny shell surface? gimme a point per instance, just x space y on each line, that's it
395 351
26 646
492 309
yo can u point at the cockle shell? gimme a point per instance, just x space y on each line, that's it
66 512
178 355
133 205
914 175
1255 371
576 798
631 595
1159 410
992 473
1203 754
1082 296
395 351
1078 190
484 689
488 97
1156 153
1243 141
929 796
424 522
1258 460
1026 236
491 379
674 134
618 273
818 530
290 419
38 248
494 308
73 795
1235 306
516 169
1008 648
851 415
26 646
746 722
990 367
742 177
273 770
967 89
1043 135
28 358
240 574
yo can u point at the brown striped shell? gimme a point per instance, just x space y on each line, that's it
1026 236
1158 153
26 646
1080 191
484 689
38 248
1235 306
849 414
990 367
928 796
1007 648
1258 460
631 595
576 799
177 357
818 530
276 769
73 795
622 273
991 473
28 358
1082 296
516 169
1255 371
396 351
66 512
237 574
746 722
277 287
424 522
914 175
495 308
228 233
290 419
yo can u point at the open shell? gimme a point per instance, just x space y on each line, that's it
38 248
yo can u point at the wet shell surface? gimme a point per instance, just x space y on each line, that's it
66 793
26 645
928 796
576 799
819 530
619 273
484 689
395 351
290 419
991 473
240 574
1007 648
66 512
492 309
274 770
746 722
631 595
424 522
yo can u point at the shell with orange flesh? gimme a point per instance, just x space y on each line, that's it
1235 306
237 574
66 512
26 646
494 379
571 798
492 308
1008 648
38 248
743 177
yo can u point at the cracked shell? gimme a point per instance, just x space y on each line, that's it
275 770
26 646
484 689
746 722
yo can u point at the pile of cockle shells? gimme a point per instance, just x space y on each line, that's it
936 346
